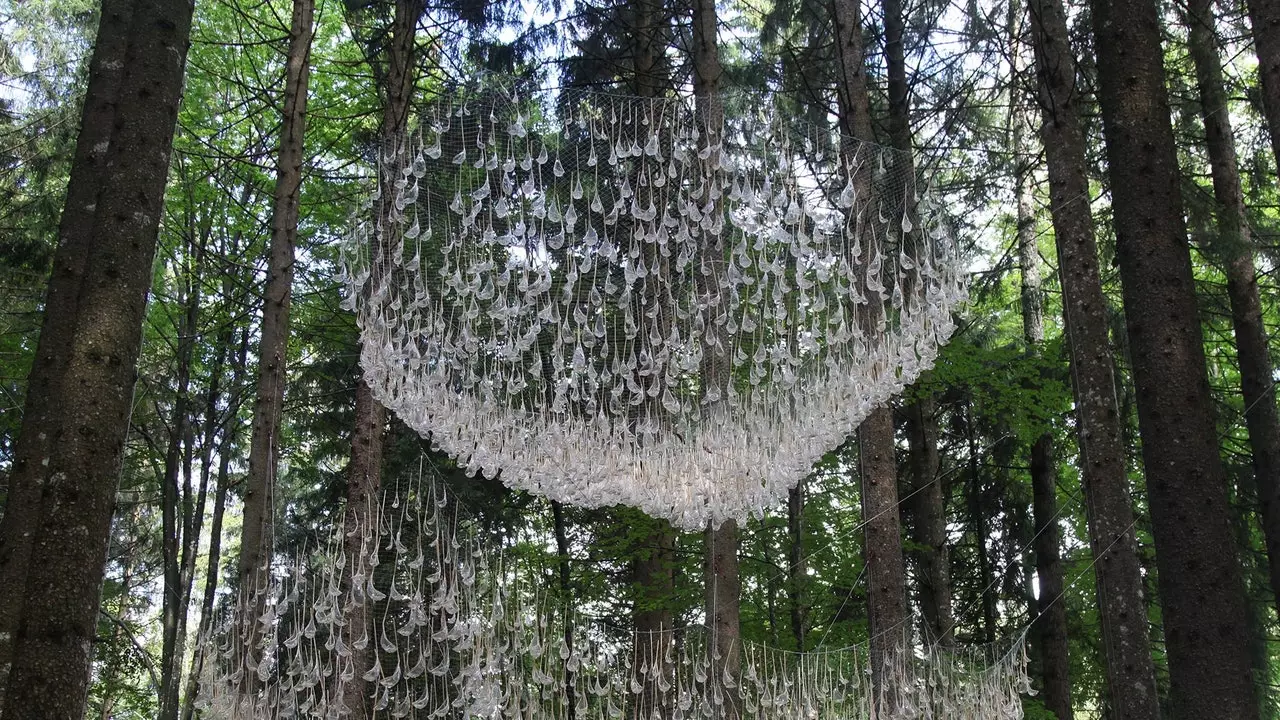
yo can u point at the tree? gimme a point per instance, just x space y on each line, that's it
1201 593
1131 688
94 320
1233 247
254 564
391 53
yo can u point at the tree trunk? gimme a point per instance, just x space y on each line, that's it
1264 16
1234 248
654 565
981 532
254 565
1202 596
394 70
723 588
927 508
564 576
75 242
1131 688
213 567
176 508
86 414
797 568
1049 630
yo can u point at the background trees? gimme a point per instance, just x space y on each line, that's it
966 450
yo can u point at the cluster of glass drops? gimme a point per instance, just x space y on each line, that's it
613 299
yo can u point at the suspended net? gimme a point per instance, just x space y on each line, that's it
670 304
421 621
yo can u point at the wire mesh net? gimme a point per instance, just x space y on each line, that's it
424 620
670 303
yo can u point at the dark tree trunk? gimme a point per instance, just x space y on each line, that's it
75 242
214 564
927 508
1131 689
723 607
797 568
564 576
392 61
654 571
1049 631
176 503
83 408
1234 248
1264 16
1202 596
254 565
981 532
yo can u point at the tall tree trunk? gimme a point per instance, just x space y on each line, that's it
1202 596
86 414
1131 688
226 447
978 524
654 561
890 614
1234 247
1050 619
1264 16
175 503
564 577
720 572
75 242
797 568
393 64
927 507
254 564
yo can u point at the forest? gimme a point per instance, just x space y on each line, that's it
923 367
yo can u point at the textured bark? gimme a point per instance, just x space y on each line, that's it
75 241
177 504
1264 16
723 597
1201 592
720 574
890 616
564 575
1234 249
392 62
1049 630
254 564
654 573
797 568
364 480
981 531
86 416
1131 688
927 509
214 562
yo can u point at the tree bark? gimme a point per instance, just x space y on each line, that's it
1131 688
1202 595
927 509
797 567
393 67
1049 630
176 510
86 414
254 564
654 571
75 242
1264 16
213 566
981 531
1130 678
1234 248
